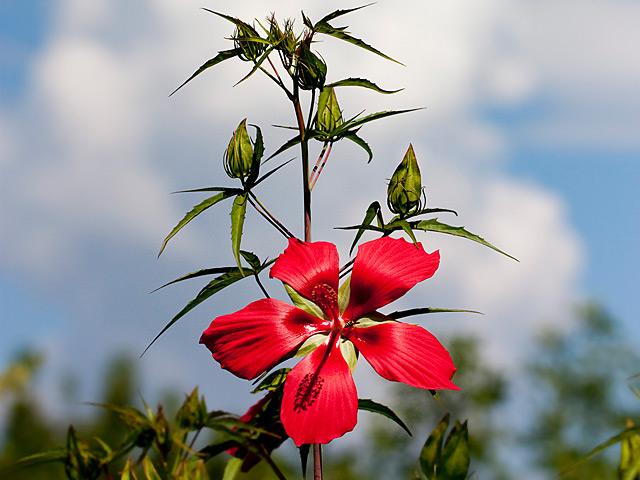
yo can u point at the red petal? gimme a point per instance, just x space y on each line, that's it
405 353
254 339
303 266
384 270
320 401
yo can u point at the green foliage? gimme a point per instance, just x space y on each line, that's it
446 459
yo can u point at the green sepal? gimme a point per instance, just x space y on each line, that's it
310 344
238 213
349 353
273 381
197 210
434 225
344 293
304 303
361 82
380 409
219 58
372 319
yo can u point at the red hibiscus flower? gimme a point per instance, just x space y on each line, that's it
320 402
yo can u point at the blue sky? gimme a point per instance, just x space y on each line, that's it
531 132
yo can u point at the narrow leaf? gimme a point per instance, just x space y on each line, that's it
199 273
256 65
212 189
238 212
286 146
430 454
212 288
232 469
361 82
404 225
629 432
197 210
455 454
354 122
251 258
150 471
219 58
271 172
420 311
434 225
371 213
371 406
273 381
339 13
361 143
326 29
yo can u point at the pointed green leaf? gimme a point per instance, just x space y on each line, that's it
424 310
455 460
339 13
371 406
404 225
434 225
212 288
219 58
232 469
251 258
197 210
150 471
372 211
361 143
127 473
256 65
212 189
362 82
238 212
426 211
285 146
271 172
199 273
430 454
337 32
354 122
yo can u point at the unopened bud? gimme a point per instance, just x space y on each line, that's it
405 187
193 412
247 40
311 71
238 157
329 114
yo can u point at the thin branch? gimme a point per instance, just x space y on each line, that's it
262 210
324 161
261 286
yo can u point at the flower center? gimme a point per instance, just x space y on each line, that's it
308 392
325 297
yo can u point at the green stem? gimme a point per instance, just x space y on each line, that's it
304 146
253 200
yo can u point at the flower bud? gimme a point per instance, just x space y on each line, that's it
238 157
244 40
311 71
329 115
405 187
193 412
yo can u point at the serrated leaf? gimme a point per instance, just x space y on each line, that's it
212 288
361 82
251 258
150 471
434 225
455 459
199 273
430 453
404 225
219 58
271 172
371 406
337 32
361 143
273 381
238 212
339 13
195 211
355 122
372 211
